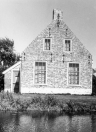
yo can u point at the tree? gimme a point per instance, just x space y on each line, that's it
94 82
7 57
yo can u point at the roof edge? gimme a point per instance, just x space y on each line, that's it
16 64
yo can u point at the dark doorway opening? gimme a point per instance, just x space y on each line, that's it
16 81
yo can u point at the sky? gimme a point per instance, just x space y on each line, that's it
23 20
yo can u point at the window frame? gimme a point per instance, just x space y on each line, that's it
34 74
68 74
65 46
50 43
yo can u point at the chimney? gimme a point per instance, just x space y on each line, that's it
57 14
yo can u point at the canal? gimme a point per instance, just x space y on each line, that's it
28 122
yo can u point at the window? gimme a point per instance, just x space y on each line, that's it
47 44
74 73
67 45
40 72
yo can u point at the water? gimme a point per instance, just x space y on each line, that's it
26 122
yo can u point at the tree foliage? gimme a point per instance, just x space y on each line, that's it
7 56
94 82
94 85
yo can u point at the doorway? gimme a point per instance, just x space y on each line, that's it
16 81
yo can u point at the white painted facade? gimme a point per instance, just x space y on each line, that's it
57 62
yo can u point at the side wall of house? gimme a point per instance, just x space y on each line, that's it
7 82
8 79
57 71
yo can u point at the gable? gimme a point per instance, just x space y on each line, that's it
58 34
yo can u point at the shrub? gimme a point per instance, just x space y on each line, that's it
36 100
70 105
6 95
50 101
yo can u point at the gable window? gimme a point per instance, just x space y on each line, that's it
74 73
40 72
67 45
47 44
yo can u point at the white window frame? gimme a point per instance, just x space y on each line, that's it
68 74
50 43
34 74
70 45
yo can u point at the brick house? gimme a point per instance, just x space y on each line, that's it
56 62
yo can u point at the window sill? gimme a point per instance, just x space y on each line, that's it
40 84
74 85
47 50
67 52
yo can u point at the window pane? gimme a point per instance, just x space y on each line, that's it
49 40
67 45
47 44
70 65
73 73
40 73
68 41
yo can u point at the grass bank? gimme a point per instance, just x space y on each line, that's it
53 104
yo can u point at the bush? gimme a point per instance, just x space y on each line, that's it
70 106
22 104
6 95
50 101
36 100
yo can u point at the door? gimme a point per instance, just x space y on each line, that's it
16 81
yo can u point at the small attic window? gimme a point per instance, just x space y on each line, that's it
67 45
47 44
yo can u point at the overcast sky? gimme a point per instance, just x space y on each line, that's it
23 20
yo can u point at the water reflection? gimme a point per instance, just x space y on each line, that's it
25 122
